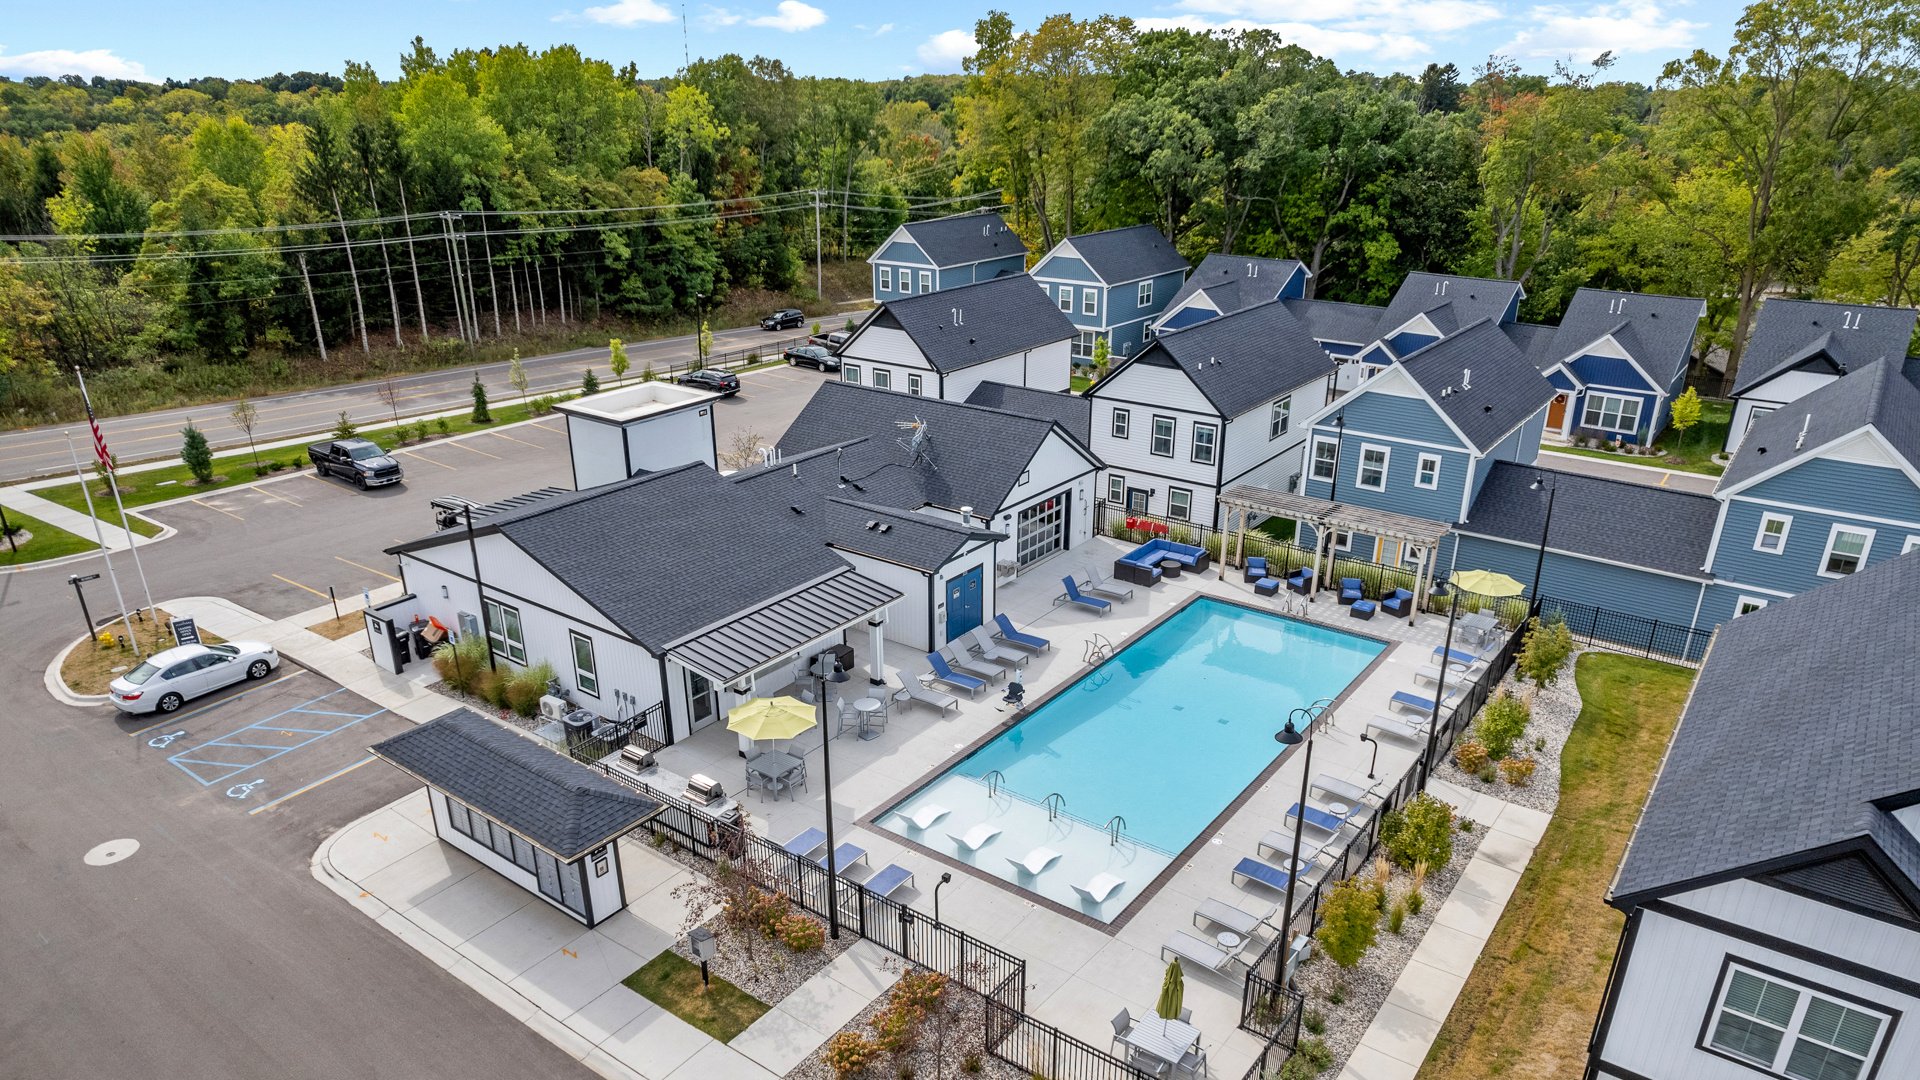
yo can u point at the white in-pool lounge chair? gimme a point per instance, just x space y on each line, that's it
986 648
1101 887
1199 953
974 837
914 690
1035 861
923 817
1227 916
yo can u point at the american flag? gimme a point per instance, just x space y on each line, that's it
99 439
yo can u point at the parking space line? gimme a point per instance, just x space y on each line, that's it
418 456
368 569
462 444
542 426
323 712
217 510
178 717
309 588
510 438
315 784
262 489
181 760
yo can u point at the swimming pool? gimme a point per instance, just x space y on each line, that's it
1164 735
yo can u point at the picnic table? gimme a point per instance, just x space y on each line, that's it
1165 1040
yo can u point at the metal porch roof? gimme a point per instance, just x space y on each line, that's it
749 640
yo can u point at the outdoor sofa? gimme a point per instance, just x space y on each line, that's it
1141 566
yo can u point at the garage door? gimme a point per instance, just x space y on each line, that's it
1042 530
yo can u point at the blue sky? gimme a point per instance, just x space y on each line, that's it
860 38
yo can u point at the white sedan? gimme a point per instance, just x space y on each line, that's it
169 679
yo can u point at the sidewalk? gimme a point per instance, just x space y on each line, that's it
1395 1044
24 501
564 981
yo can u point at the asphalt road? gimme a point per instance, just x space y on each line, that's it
42 451
211 952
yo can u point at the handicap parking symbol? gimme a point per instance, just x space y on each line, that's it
165 740
241 791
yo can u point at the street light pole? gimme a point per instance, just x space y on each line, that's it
1440 686
825 668
1540 561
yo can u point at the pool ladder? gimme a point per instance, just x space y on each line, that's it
1056 804
1098 649
993 779
1115 826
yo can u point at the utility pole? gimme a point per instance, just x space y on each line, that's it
313 307
473 295
393 296
453 273
419 299
515 290
819 281
493 288
347 245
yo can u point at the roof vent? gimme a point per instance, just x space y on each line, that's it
885 528
796 470
959 317
1804 425
1466 378
872 524
972 341
797 510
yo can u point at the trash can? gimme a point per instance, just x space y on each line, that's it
401 655
421 647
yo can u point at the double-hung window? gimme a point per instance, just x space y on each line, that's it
1612 412
1089 302
1792 1031
1281 420
1179 504
504 634
1326 458
1162 443
886 279
906 282
882 378
1373 467
850 372
1427 474
1772 537
1846 552
1066 299
1145 299
926 281
1083 344
1116 489
1206 443
913 384
586 673
1122 423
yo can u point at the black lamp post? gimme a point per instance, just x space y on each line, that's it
825 668
1540 482
1440 588
1376 753
945 878
1291 736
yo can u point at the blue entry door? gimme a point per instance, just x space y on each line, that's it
963 603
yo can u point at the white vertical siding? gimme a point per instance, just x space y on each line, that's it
675 438
596 453
1146 391
907 616
511 870
1248 446
885 345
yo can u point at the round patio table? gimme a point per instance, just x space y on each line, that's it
865 708
1170 568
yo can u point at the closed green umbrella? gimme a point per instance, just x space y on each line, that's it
1173 990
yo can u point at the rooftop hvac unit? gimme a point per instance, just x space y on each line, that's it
552 708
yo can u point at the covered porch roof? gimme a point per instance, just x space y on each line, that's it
749 640
1341 517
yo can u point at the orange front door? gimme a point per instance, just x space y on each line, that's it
1557 413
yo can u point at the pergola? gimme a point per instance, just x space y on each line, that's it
1328 520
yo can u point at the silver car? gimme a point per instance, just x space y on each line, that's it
169 679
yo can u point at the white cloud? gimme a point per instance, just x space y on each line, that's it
946 50
1395 49
1556 32
1359 16
620 13
791 16
718 16
56 62
883 28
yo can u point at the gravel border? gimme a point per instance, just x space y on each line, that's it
780 971
967 1035
1555 708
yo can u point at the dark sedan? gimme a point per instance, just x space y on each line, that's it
724 383
812 356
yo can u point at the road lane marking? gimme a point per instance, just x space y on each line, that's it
418 456
1664 477
368 569
315 784
463 445
217 510
178 717
510 438
309 588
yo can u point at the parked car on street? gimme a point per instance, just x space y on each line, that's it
359 460
813 356
725 383
171 678
785 319
832 340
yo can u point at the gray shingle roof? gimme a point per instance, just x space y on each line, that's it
1451 301
1788 333
1332 320
965 238
553 801
1127 254
1533 340
1658 528
1070 411
1236 282
1007 315
1241 360
1794 729
1657 330
1878 394
1504 390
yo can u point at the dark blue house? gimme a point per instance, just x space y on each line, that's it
1224 284
1618 360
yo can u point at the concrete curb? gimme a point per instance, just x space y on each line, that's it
57 687
1625 464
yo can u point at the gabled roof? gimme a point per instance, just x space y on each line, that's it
1480 380
1656 330
1070 411
1659 528
555 802
1878 394
1332 320
1449 301
1795 745
974 456
1838 337
1122 255
1007 315
838 514
1534 340
1241 360
964 238
1235 282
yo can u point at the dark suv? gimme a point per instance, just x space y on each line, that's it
785 319
724 383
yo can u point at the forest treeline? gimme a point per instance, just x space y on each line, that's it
218 221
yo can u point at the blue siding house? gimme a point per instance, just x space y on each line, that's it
1427 308
1799 346
1224 284
1112 284
1617 361
927 256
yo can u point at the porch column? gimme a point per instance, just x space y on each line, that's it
877 648
1240 541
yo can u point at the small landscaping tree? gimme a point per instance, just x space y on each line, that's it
390 397
589 383
346 428
517 375
617 360
1502 724
481 414
1420 832
195 453
1544 652
647 374
1349 921
1685 412
706 341
1102 356
244 417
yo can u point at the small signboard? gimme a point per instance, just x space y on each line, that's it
184 632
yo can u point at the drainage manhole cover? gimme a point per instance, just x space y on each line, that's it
111 852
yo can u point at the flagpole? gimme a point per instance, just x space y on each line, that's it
100 535
113 482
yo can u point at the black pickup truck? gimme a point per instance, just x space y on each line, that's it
359 460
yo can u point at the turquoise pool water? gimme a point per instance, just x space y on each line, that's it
1166 735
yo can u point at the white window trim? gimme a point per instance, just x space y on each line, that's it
1187 515
1193 445
1122 424
1756 602
1912 543
1594 396
1065 298
914 384
882 378
592 673
1313 459
1144 298
1421 468
926 281
1791 1034
1342 540
497 628
906 282
1360 471
1173 436
850 373
1760 535
886 279
1827 553
1089 302
1280 418
1117 489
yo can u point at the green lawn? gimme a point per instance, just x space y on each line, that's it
1528 1009
1080 384
672 982
47 542
1691 452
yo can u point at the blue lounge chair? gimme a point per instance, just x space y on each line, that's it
944 674
889 880
1398 602
1264 873
1301 580
1455 656
1422 706
844 856
1351 590
1015 637
1316 818
1256 567
1073 595
805 844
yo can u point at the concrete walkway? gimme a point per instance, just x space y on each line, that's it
25 502
1395 1044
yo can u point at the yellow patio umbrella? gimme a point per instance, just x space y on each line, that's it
770 718
1487 583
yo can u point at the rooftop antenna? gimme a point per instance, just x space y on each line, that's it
686 50
916 443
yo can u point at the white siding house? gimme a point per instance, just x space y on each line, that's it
946 345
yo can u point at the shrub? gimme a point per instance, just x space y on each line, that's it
525 688
345 429
443 425
1420 832
197 455
1309 1059
757 910
802 934
1466 824
972 1064
919 989
589 383
849 1053
542 405
1543 652
1471 755
1502 724
896 1027
1350 918
491 687
481 414
1517 771
1397 916
1314 1021
459 662
1487 774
